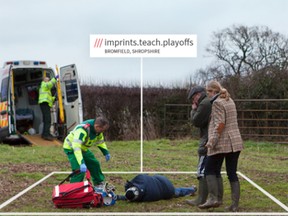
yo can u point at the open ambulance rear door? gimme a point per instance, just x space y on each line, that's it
70 88
7 120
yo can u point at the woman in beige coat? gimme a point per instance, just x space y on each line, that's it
224 141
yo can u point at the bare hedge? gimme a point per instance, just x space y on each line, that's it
122 107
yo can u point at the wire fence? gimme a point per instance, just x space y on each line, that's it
258 120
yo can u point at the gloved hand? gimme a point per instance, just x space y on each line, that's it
83 168
107 157
57 76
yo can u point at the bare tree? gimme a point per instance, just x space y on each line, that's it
214 71
245 49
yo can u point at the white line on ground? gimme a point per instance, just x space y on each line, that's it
136 172
264 192
24 191
64 172
146 213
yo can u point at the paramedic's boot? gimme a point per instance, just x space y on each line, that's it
212 201
235 196
100 188
202 193
185 191
220 190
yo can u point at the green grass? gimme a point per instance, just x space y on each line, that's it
166 155
264 163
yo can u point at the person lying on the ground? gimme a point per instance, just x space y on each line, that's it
143 188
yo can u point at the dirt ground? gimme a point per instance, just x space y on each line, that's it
10 184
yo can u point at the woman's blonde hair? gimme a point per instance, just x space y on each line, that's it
217 88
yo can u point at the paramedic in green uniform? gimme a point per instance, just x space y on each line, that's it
76 146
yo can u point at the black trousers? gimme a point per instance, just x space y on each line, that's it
214 164
45 109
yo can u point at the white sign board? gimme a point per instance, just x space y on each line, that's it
184 46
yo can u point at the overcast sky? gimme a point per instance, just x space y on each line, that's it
57 31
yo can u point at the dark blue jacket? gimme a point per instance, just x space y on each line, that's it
152 188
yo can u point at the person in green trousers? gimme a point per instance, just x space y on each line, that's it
76 147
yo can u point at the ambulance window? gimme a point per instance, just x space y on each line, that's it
35 75
71 90
4 89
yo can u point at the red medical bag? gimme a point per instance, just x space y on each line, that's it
76 195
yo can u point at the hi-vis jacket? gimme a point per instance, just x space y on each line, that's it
45 92
83 137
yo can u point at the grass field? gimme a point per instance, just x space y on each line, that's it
264 163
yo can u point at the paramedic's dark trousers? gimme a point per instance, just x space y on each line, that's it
45 109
